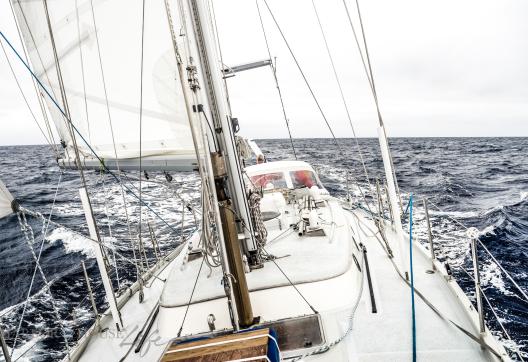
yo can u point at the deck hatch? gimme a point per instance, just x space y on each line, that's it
293 334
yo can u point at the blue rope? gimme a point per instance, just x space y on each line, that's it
412 277
80 135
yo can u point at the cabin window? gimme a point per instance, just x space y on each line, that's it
277 179
304 178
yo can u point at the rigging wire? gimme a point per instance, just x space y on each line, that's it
2 35
26 101
465 227
370 76
274 71
304 78
209 239
217 35
82 70
476 339
35 86
316 101
105 198
45 225
63 92
141 127
515 346
367 68
30 240
139 272
191 296
338 83
272 258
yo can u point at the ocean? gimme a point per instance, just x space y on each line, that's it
472 182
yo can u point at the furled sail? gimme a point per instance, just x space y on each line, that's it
92 49
5 201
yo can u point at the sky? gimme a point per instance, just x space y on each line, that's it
442 68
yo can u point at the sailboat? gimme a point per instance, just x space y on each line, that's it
279 269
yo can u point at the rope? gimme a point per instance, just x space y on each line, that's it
30 240
217 36
118 177
272 258
190 297
343 100
315 100
515 347
274 71
335 342
504 271
370 76
140 236
256 216
63 93
304 78
39 96
82 69
412 277
465 227
81 136
42 65
25 100
103 176
476 339
45 226
38 215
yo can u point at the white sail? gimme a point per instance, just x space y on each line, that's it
5 201
98 44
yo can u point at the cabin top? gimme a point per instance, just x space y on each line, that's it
283 174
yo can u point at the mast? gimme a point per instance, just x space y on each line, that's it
229 186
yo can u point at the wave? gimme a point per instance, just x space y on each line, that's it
72 242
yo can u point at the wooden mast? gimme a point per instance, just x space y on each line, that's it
229 186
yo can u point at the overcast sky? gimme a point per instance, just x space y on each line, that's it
442 68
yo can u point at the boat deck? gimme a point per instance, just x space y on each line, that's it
382 336
295 257
387 334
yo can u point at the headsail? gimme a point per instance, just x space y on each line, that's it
98 45
6 200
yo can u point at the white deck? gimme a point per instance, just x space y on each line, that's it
384 336
295 257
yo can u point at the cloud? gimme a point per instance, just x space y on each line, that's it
449 68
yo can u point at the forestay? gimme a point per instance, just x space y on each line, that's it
98 47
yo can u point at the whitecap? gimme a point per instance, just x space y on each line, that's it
488 230
71 241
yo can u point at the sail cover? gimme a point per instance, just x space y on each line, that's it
95 46
5 201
